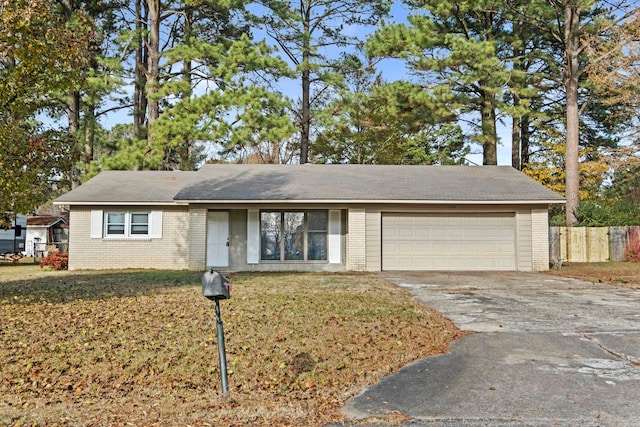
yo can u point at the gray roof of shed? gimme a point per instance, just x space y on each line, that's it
315 183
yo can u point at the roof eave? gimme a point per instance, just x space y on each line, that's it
47 225
119 203
311 201
364 201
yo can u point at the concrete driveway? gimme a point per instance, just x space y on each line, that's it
547 351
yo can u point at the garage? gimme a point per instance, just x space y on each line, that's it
469 241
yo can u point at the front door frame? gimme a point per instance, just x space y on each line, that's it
218 239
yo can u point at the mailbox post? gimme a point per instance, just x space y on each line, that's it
216 287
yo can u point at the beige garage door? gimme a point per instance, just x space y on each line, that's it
484 241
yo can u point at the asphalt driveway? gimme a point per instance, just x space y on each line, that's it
545 351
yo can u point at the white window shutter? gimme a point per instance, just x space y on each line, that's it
253 236
97 216
334 243
155 224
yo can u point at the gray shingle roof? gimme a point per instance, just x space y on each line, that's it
129 187
330 183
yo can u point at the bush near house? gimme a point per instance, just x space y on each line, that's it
56 260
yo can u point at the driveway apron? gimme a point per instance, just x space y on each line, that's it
543 351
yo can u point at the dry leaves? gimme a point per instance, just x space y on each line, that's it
111 348
623 274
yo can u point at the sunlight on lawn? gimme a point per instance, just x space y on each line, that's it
139 347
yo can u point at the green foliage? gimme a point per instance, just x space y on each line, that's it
29 159
233 113
607 213
456 51
41 55
396 123
626 180
309 34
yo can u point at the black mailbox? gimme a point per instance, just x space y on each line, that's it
215 286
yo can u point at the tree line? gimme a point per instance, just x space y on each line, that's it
281 81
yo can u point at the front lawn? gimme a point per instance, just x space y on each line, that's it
111 348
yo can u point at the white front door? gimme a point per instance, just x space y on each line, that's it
218 239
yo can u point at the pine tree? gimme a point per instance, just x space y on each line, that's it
457 49
306 33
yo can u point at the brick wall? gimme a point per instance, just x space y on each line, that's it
168 252
356 240
539 239
374 240
524 240
197 239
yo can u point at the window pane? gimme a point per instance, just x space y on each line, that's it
115 223
318 221
270 235
139 223
139 229
293 235
317 246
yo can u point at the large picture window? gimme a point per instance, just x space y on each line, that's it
293 236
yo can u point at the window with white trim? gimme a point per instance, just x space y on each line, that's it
126 224
293 235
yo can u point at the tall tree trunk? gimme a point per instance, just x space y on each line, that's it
73 110
140 82
73 117
489 132
153 63
516 124
571 75
525 141
89 133
516 137
305 126
306 117
186 153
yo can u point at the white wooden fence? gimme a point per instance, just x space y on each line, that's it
592 244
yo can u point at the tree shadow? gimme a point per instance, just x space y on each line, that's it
94 286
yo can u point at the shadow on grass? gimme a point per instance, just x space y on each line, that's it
93 286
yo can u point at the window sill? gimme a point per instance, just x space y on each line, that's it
293 261
141 238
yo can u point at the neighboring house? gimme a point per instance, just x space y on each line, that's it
46 233
12 241
311 218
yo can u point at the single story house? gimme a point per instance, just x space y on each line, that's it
46 233
311 218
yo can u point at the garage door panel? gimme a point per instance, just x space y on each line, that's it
481 241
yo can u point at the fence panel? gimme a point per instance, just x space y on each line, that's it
633 244
575 247
593 244
555 257
618 242
597 244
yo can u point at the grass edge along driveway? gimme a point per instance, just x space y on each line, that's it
139 347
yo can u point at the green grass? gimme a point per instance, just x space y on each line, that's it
105 348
